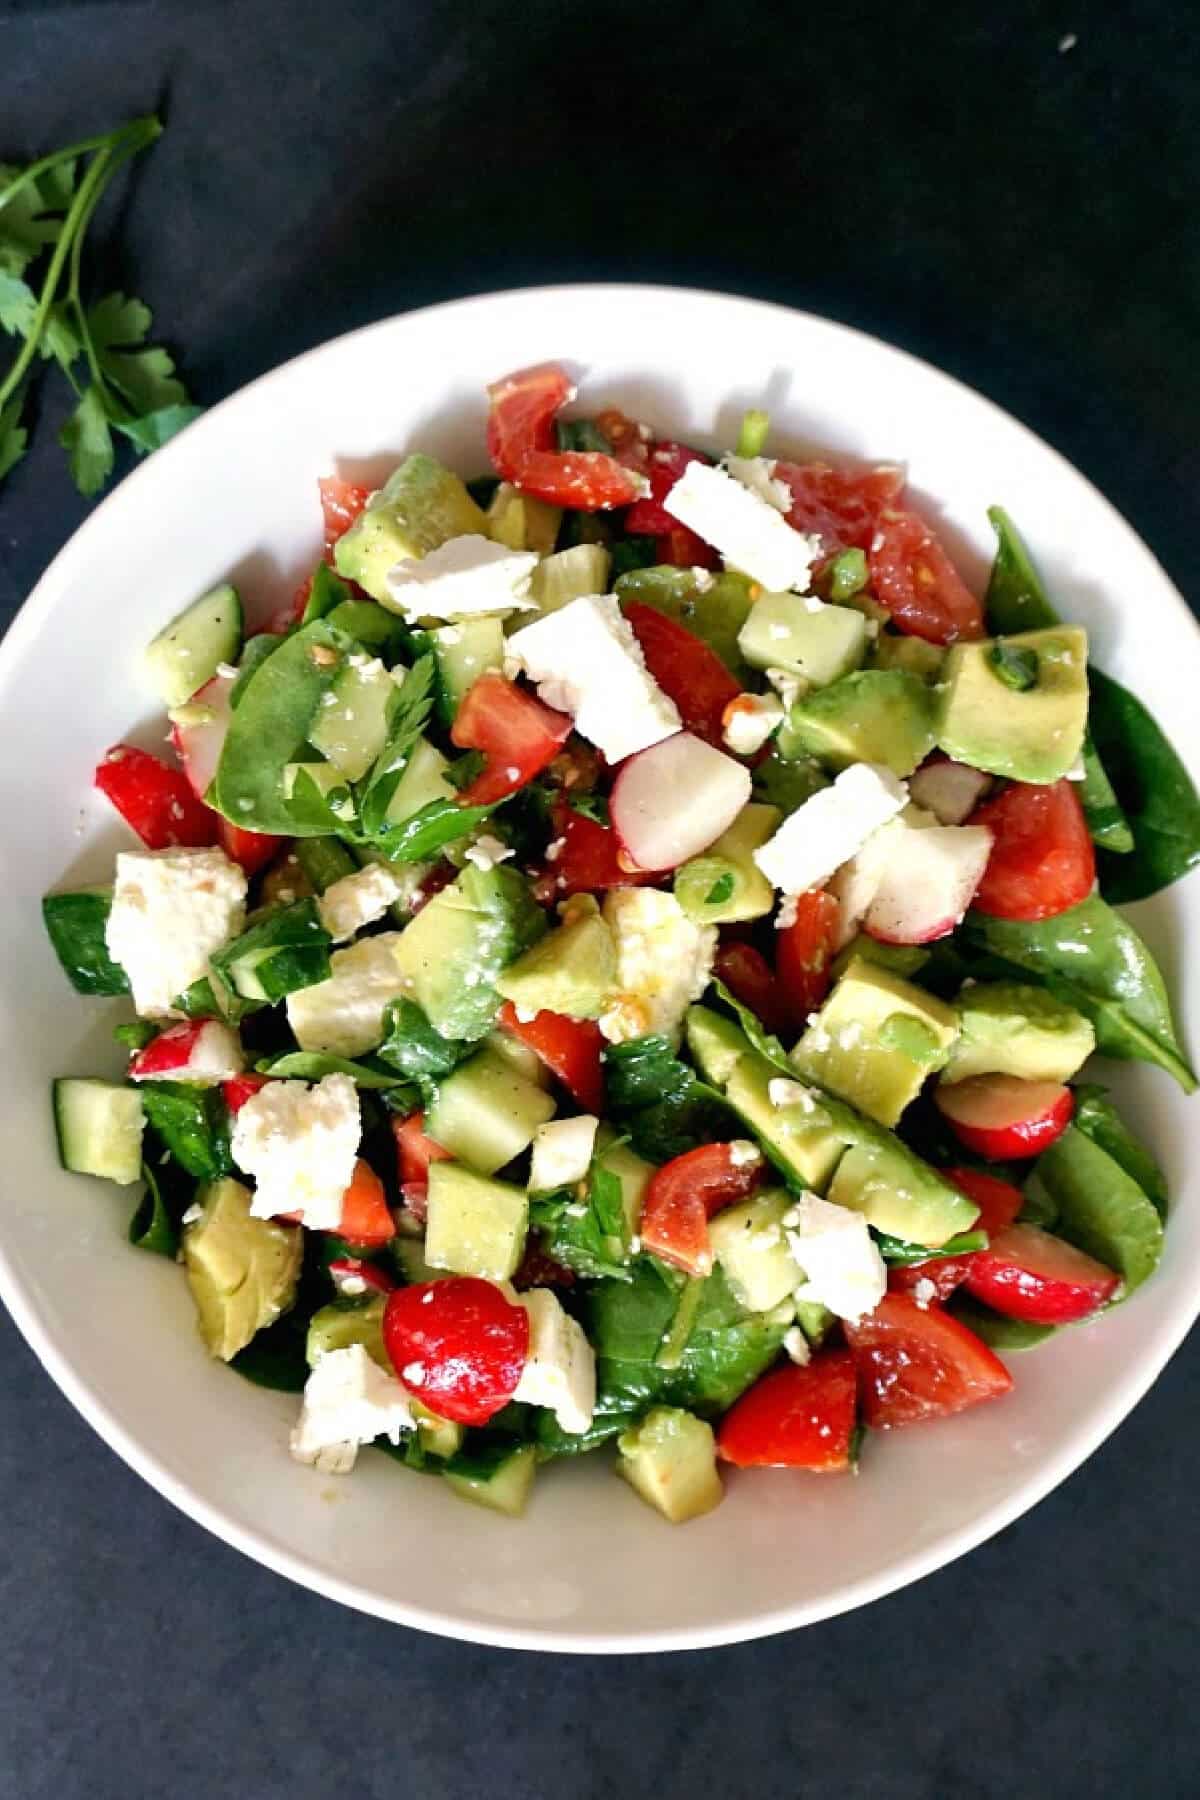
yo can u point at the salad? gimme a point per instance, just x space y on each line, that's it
612 961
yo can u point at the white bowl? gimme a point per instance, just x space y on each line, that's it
590 1568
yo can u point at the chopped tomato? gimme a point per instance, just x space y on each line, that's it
840 506
914 578
1042 860
290 612
415 1198
804 950
998 1201
648 517
681 548
252 849
684 1194
941 1273
520 437
341 503
415 1151
239 1088
916 1363
1027 1273
794 1418
749 977
157 801
366 1218
589 857
516 733
570 1048
630 441
459 1345
686 669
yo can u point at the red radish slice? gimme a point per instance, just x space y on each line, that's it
1001 1117
198 732
1027 1273
928 885
949 790
671 801
235 1093
202 1051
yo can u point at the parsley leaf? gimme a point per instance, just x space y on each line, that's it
18 304
590 806
13 436
88 443
143 374
411 711
720 891
27 221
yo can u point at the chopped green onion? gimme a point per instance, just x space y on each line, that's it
847 574
752 438
1016 665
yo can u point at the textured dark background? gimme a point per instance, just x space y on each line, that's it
947 176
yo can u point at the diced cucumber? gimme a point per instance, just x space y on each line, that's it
569 575
75 924
99 1126
474 1226
441 1437
631 1170
186 652
521 522
670 1459
351 725
376 629
286 949
423 780
328 780
505 1488
815 1321
465 651
335 1327
324 860
749 1243
408 1254
486 1113
527 1063
725 884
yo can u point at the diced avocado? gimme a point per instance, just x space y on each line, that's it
465 651
670 1459
749 1243
1009 1028
898 1193
504 1487
186 653
875 1040
421 505
423 780
99 1127
486 1113
569 575
572 970
352 722
631 1170
801 1138
877 716
459 943
242 1271
919 657
717 1045
725 884
901 959
989 718
338 1327
474 1226
806 637
522 523
327 780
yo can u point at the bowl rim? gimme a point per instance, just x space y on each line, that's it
258 1545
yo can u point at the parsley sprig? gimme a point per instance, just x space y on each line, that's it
121 383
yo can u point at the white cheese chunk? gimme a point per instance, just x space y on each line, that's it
170 910
487 851
664 962
586 661
357 900
561 1370
562 1153
464 576
757 473
748 530
344 1015
830 828
749 721
300 1144
842 1266
797 1346
348 1400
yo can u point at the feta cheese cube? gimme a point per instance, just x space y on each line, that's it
348 1400
586 661
830 828
757 473
464 576
170 910
748 531
561 1370
344 1015
562 1153
749 721
487 851
843 1268
796 1346
357 900
664 962
782 1093
300 1144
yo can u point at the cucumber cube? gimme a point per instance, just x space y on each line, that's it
474 1226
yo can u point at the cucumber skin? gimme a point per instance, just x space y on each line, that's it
78 1157
186 653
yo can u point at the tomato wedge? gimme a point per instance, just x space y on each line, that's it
804 950
155 800
916 1363
648 517
840 506
680 548
1042 860
749 977
588 856
686 669
341 503
516 733
459 1345
998 1201
366 1219
1027 1273
914 578
252 849
685 1193
520 437
570 1048
415 1151
794 1418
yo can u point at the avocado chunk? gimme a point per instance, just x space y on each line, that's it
569 575
572 970
420 507
502 1483
1009 1028
1017 706
520 522
901 959
875 1040
714 607
726 884
898 1193
352 721
877 716
749 1243
452 952
717 1045
242 1271
806 637
670 1459
916 655
800 1138
474 1226
486 1113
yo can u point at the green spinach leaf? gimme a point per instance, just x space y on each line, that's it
192 1123
995 1329
75 924
1098 1118
658 1100
587 1236
313 1065
1101 1208
155 1222
1155 791
413 705
418 1052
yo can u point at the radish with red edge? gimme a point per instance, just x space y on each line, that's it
202 1051
949 790
673 800
1027 1273
235 1093
1002 1118
928 884
198 730
353 1278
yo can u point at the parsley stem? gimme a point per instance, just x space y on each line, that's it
670 1353
143 130
118 155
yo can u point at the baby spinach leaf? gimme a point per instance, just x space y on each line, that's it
438 823
586 1236
762 1040
313 1065
76 924
900 1252
1098 1118
155 1222
327 591
1000 1333
1155 791
1104 813
255 651
135 1034
277 1356
665 1108
192 1123
409 717
412 1046
1101 1208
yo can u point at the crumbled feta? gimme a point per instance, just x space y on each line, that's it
796 1346
466 575
758 474
487 851
664 962
562 1153
748 531
344 1015
357 900
561 1369
703 580
170 910
300 1144
830 827
788 686
348 1400
790 1093
842 1266
1076 772
743 1154
748 722
586 661
924 1291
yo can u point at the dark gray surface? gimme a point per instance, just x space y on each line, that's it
945 177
